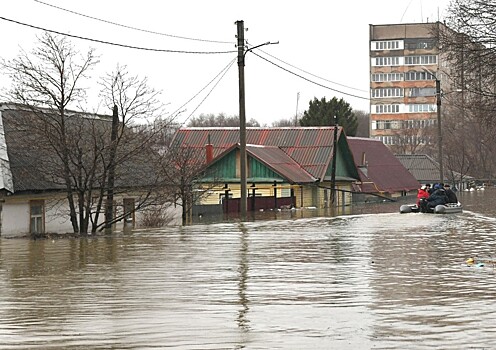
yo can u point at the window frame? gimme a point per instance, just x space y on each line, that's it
37 220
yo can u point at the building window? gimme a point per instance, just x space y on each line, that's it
422 108
421 92
418 123
381 77
423 59
387 45
387 92
387 109
384 124
37 216
386 61
414 75
423 44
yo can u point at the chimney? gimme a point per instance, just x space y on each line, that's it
209 149
364 165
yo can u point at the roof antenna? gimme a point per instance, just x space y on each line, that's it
421 12
407 6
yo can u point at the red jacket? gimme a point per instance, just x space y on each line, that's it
421 194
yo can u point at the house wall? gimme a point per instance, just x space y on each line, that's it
343 194
306 196
215 193
15 215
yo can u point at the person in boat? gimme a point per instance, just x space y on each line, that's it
436 198
430 189
422 193
450 194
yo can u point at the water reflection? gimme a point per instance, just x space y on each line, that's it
243 321
374 279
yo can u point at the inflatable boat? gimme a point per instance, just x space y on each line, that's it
450 208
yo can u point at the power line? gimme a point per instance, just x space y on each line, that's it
212 89
133 28
222 73
313 75
115 44
311 81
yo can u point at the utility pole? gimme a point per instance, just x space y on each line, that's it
439 125
439 131
296 114
334 154
109 207
242 116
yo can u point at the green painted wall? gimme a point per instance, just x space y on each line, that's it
345 166
258 170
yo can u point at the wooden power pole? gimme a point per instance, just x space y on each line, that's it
242 116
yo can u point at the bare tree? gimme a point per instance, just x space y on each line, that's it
284 123
93 157
412 141
49 81
136 106
469 43
220 120
184 169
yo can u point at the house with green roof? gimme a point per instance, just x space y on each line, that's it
286 167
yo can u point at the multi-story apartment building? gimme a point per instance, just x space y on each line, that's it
405 62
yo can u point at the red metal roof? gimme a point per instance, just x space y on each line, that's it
384 171
275 158
311 147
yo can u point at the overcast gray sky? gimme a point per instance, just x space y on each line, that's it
322 51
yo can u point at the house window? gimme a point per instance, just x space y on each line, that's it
129 210
37 216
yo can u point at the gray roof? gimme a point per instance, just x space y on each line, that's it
424 168
27 162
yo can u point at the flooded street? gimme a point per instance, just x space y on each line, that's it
373 280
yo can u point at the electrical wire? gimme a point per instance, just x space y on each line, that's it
217 83
311 81
222 72
313 75
133 28
115 44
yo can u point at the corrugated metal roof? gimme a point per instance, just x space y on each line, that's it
384 173
424 168
311 147
281 163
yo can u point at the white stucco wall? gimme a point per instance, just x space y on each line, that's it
15 216
15 219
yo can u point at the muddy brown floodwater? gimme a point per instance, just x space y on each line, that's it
374 279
